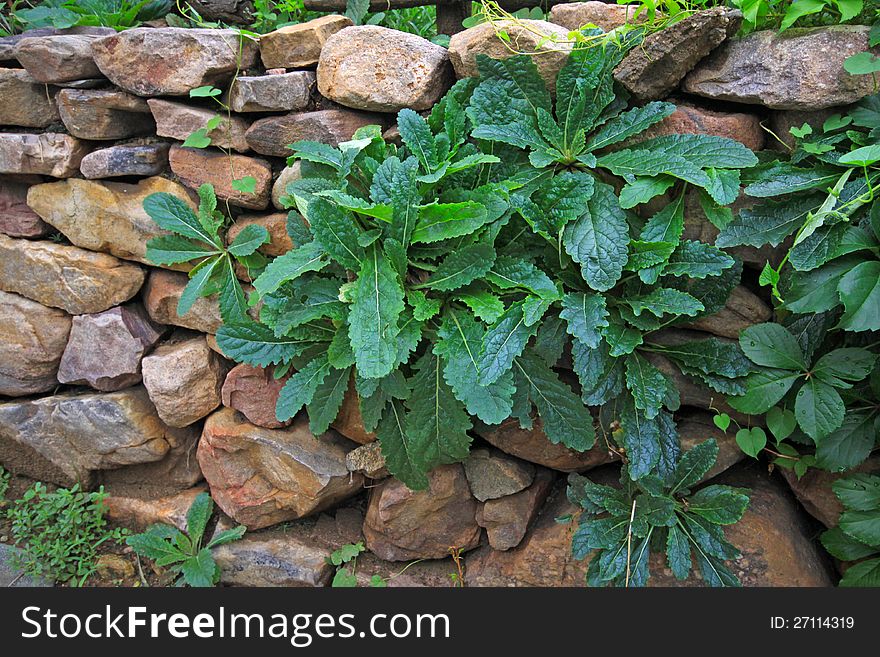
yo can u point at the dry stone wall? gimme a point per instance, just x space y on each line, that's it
101 382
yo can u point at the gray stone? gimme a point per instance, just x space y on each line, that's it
492 474
574 15
274 558
272 93
24 101
179 121
272 135
48 154
58 58
231 12
104 114
125 160
279 187
507 519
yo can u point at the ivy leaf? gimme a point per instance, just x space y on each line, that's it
462 267
399 454
751 441
300 388
771 345
647 385
327 400
860 293
502 343
290 266
819 409
585 314
251 238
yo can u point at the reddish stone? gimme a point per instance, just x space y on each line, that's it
253 392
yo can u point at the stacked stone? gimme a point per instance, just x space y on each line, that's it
102 382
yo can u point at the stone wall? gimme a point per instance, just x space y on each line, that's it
101 382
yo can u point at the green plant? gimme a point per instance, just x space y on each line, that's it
118 14
620 527
783 14
272 14
60 532
184 552
345 560
4 482
857 535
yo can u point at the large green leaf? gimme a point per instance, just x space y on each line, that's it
417 136
858 492
400 456
665 300
710 356
771 345
786 178
335 230
849 445
173 214
600 375
585 314
647 385
860 293
694 465
817 291
442 221
510 273
819 409
764 389
251 238
300 388
678 553
502 342
173 249
697 260
720 505
557 201
462 267
258 345
768 223
290 266
863 526
629 123
327 400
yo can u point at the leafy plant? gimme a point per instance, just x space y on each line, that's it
60 532
783 14
345 560
857 535
118 14
184 552
620 527
4 483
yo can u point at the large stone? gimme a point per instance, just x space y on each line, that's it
58 58
507 519
16 218
162 294
299 46
253 392
273 135
47 154
349 421
183 379
695 427
661 61
743 309
125 160
79 434
195 167
104 114
104 350
402 524
172 61
179 121
382 70
276 224
24 101
139 513
34 338
272 93
548 44
492 474
66 277
279 187
533 445
367 460
178 470
8 44
799 69
691 119
107 217
575 15
265 476
274 558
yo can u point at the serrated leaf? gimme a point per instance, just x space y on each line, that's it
511 273
768 223
484 304
502 343
198 285
720 505
643 189
172 250
335 230
858 492
461 267
849 445
843 547
258 345
251 238
863 526
647 385
770 345
327 400
665 300
584 314
300 388
860 293
200 570
710 356
697 260
819 409
601 375
172 214
442 221
667 225
694 464
417 136
198 515
629 123
763 390
678 553
641 439
290 266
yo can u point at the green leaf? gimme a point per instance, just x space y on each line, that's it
710 356
172 250
258 345
721 505
848 363
601 376
206 91
771 345
502 343
863 526
417 136
751 441
251 238
373 319
786 178
197 139
644 255
842 547
597 534
849 445
400 456
226 536
642 190
442 221
781 423
172 214
585 314
819 409
485 305
629 123
858 492
666 225
678 553
764 389
641 438
665 300
198 516
860 293
462 267
621 338
327 400
335 230
557 201
199 284
300 388
647 385
510 273
694 464
866 573
768 223
697 260
290 266
246 185
200 570
405 199
816 291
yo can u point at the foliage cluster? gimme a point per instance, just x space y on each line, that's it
857 537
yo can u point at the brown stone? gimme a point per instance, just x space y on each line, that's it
299 46
230 12
367 460
125 160
196 167
104 350
783 121
533 445
507 519
58 58
690 119
162 294
279 188
47 154
33 340
287 92
104 216
273 558
139 513
548 44
178 470
9 43
104 114
349 421
280 242
24 101
492 474
695 427
264 476
273 135
402 525
148 61
743 309
183 379
179 121
574 15
377 69
253 392
66 277
16 218
661 61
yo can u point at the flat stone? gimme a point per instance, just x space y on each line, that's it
507 519
253 392
533 445
139 513
196 167
162 294
34 338
575 15
105 349
272 93
104 216
79 434
492 474
743 309
58 58
402 525
548 43
147 61
274 558
799 69
377 69
349 421
661 61
66 277
276 223
179 121
367 460
273 135
183 380
48 154
299 46
11 575
9 43
279 188
265 476
125 160
24 101
16 218
104 114
178 470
